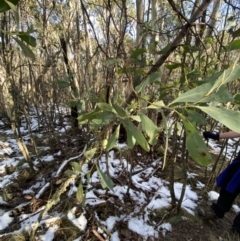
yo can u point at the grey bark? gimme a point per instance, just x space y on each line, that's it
139 7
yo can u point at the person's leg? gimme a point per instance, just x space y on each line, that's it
229 182
224 203
236 224
218 209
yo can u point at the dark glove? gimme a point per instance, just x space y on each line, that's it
208 134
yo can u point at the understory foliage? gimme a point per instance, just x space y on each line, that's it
159 72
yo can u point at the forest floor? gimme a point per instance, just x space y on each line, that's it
134 214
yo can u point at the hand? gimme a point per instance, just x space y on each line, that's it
208 134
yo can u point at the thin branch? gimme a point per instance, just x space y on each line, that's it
230 4
198 13
91 24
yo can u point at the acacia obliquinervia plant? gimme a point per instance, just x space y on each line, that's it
186 56
190 108
11 99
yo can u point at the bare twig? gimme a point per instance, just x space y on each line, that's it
180 36
98 235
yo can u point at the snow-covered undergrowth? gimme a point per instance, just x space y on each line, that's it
128 209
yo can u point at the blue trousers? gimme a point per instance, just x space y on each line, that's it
229 182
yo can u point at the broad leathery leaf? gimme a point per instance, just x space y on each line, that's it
132 129
173 66
234 45
227 76
69 173
149 80
156 105
14 9
113 139
136 118
200 94
106 181
136 53
150 129
131 141
165 49
194 116
191 48
222 96
4 5
89 116
147 97
102 119
195 145
103 95
62 84
229 118
26 50
76 166
80 195
89 154
106 107
179 128
237 98
120 111
27 38
125 70
194 95
236 34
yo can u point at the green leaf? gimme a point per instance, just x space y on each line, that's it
222 95
102 119
13 8
80 195
234 45
173 66
120 111
27 38
136 53
150 129
106 181
165 49
149 80
218 90
156 105
76 166
106 107
194 74
113 139
4 5
133 131
90 153
190 49
147 97
69 173
229 118
236 33
62 84
194 95
237 98
195 145
125 70
26 50
227 76
194 116
136 118
131 141
89 116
